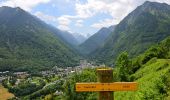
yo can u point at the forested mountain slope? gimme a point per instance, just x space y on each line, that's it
146 25
96 41
27 43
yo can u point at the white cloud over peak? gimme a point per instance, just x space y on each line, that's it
24 4
118 9
64 23
79 23
64 28
45 17
103 23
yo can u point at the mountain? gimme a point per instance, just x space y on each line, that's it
80 38
64 36
146 25
69 38
111 28
27 43
96 41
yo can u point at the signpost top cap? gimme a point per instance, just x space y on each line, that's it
104 69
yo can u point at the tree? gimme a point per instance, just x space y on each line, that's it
123 67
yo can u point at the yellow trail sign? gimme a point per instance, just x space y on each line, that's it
116 86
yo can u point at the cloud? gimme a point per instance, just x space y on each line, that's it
162 1
103 23
24 4
84 9
63 20
54 5
46 17
64 23
28 5
64 27
117 9
79 23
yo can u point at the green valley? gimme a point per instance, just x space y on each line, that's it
39 61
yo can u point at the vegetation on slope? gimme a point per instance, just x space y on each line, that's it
26 43
152 82
87 75
96 41
146 25
151 70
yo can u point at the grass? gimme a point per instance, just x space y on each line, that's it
151 82
4 94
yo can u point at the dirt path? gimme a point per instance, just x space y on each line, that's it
4 94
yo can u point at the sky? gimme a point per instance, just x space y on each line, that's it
83 17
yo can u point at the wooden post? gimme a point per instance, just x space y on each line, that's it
106 85
105 76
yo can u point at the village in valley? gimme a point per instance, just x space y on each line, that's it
10 80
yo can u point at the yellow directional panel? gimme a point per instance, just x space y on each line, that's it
116 86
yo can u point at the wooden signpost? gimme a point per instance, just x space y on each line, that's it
106 86
116 86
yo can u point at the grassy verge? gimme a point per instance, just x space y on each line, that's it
152 81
